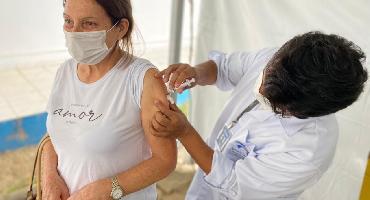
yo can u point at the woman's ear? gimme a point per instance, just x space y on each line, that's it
123 26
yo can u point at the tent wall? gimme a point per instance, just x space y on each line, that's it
249 25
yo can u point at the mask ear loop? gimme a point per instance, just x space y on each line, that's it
114 25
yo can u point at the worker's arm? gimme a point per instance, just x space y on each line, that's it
172 123
198 149
265 176
223 70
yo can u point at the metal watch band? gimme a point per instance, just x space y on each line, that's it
115 186
115 182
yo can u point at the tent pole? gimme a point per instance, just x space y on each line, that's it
177 15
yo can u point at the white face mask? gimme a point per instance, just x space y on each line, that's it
261 99
88 47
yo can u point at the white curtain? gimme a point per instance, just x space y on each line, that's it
32 31
232 25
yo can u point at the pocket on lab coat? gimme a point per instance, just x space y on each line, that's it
238 147
225 135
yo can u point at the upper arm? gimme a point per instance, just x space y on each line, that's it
230 68
233 67
155 89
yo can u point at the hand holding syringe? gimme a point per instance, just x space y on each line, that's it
178 77
186 84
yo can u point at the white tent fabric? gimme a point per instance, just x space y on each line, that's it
249 25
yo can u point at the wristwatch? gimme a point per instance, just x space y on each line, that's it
117 191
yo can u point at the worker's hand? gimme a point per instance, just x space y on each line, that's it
180 73
169 122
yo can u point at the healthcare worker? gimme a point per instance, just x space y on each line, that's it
277 133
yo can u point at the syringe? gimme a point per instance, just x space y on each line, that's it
185 84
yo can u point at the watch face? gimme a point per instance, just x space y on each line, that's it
117 193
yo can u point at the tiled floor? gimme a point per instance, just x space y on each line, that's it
24 90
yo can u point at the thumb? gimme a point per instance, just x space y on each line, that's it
159 74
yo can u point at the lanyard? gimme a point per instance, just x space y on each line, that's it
225 135
247 109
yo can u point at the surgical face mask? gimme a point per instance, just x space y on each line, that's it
261 99
88 47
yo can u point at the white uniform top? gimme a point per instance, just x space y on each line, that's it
96 128
267 157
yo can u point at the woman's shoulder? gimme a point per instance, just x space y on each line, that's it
140 73
141 70
67 63
138 64
64 68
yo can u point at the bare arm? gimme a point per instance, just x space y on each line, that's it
53 186
198 149
49 159
164 150
206 73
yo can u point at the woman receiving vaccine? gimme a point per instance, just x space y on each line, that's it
99 111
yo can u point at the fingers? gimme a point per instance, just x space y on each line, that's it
159 74
175 74
167 72
161 118
157 126
174 108
159 123
164 109
158 133
162 73
180 90
188 73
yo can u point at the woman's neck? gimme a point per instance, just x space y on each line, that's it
92 73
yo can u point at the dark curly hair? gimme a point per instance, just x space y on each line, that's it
314 74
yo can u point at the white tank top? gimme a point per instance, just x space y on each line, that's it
96 128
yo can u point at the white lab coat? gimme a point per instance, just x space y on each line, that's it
286 155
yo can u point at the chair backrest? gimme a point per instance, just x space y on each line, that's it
365 191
